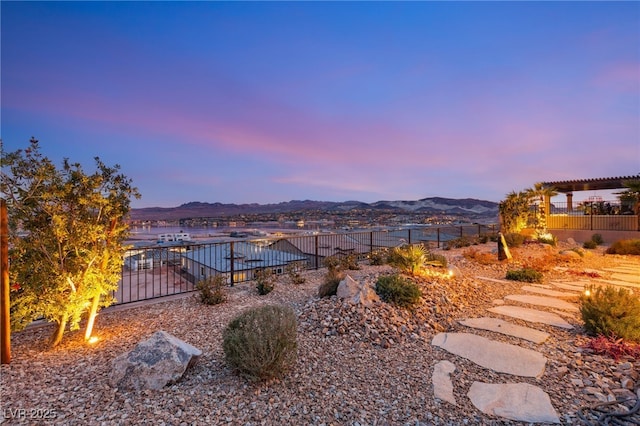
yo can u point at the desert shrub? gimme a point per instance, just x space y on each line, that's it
261 343
265 281
332 262
378 256
549 239
611 311
613 347
631 246
332 278
577 250
398 291
350 262
294 274
212 290
514 239
527 275
461 242
435 259
485 238
589 244
597 238
408 258
482 258
544 263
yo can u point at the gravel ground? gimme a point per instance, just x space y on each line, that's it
356 365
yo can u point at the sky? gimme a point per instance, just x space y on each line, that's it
266 102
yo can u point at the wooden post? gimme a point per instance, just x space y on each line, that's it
5 323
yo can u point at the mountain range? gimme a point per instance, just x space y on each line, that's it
434 205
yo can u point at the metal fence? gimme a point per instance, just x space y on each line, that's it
160 270
593 215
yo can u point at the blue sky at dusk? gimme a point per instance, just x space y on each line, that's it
264 102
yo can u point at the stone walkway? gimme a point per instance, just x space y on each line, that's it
517 400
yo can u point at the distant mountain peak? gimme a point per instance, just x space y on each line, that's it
435 205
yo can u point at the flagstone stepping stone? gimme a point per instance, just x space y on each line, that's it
531 315
442 386
505 327
624 269
549 292
632 278
618 283
549 302
497 356
567 286
496 280
515 401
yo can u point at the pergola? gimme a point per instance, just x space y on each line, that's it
568 187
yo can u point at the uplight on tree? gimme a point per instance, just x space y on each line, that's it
67 231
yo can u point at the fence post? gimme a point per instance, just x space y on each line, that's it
370 242
438 233
409 235
316 252
479 230
231 263
461 231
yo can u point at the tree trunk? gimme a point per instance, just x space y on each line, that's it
56 337
92 317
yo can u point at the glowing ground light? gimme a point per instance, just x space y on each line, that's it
587 292
93 340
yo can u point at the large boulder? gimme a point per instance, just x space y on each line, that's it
152 364
358 293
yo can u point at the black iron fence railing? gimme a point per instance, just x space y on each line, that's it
592 215
160 270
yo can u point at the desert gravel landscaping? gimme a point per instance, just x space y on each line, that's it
356 365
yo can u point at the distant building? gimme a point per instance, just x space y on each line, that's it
177 236
151 258
247 258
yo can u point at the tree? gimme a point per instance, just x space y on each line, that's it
514 212
66 232
542 194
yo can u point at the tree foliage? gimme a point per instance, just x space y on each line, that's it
514 212
66 236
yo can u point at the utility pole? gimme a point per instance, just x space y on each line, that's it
5 324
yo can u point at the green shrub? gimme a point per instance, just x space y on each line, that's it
265 281
485 238
408 258
350 262
577 250
597 238
527 275
549 239
514 239
261 343
212 290
631 246
460 242
590 244
378 256
611 311
398 291
436 259
294 274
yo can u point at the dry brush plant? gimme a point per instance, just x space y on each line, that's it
611 311
397 290
261 343
265 281
332 278
212 290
